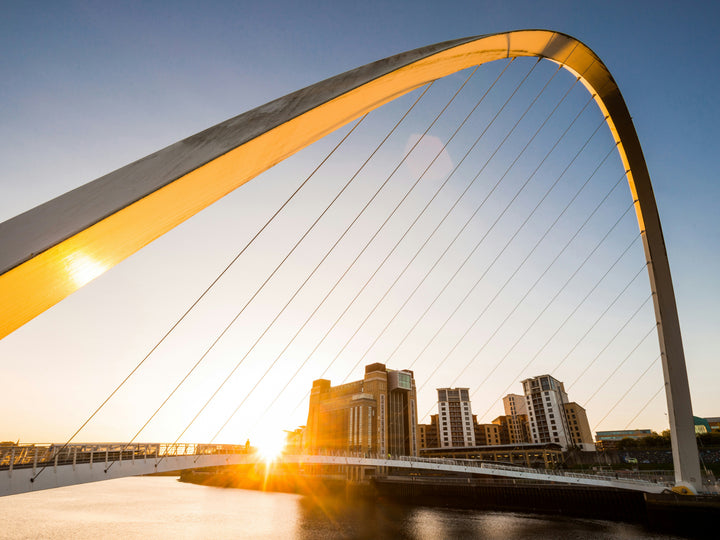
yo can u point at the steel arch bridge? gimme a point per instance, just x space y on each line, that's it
54 249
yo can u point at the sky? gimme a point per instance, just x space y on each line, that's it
87 87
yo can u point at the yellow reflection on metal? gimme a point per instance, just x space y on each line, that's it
42 281
82 269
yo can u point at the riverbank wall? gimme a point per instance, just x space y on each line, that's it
683 515
612 504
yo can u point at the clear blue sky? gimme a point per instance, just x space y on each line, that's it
87 87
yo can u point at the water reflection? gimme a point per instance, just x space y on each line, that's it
336 518
162 507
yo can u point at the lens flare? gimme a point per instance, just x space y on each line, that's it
270 444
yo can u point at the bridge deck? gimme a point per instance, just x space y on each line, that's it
33 468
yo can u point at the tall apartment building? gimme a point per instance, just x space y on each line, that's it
377 414
517 419
513 429
429 433
455 424
487 434
548 408
514 404
483 434
545 398
579 427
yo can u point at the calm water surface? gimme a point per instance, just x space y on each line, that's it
162 507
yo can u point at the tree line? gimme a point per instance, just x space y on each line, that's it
662 440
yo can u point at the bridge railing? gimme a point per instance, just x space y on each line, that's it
18 456
633 477
41 455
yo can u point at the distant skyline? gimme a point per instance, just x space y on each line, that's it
88 88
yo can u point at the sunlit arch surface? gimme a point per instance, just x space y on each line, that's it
107 220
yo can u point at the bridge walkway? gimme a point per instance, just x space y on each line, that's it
37 467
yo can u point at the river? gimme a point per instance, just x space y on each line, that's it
162 507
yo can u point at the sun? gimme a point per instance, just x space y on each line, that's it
270 444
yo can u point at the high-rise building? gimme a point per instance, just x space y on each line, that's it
486 434
514 404
377 414
517 422
455 427
545 399
514 429
503 424
429 433
579 427
553 417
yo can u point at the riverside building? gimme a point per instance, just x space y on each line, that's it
455 417
455 426
516 419
455 433
608 440
548 408
579 427
375 415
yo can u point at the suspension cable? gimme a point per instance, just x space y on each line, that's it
599 318
227 327
612 339
369 242
330 251
469 256
495 222
637 380
471 217
560 290
517 305
337 320
207 289
547 342
645 406
457 235
565 284
642 340
532 251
